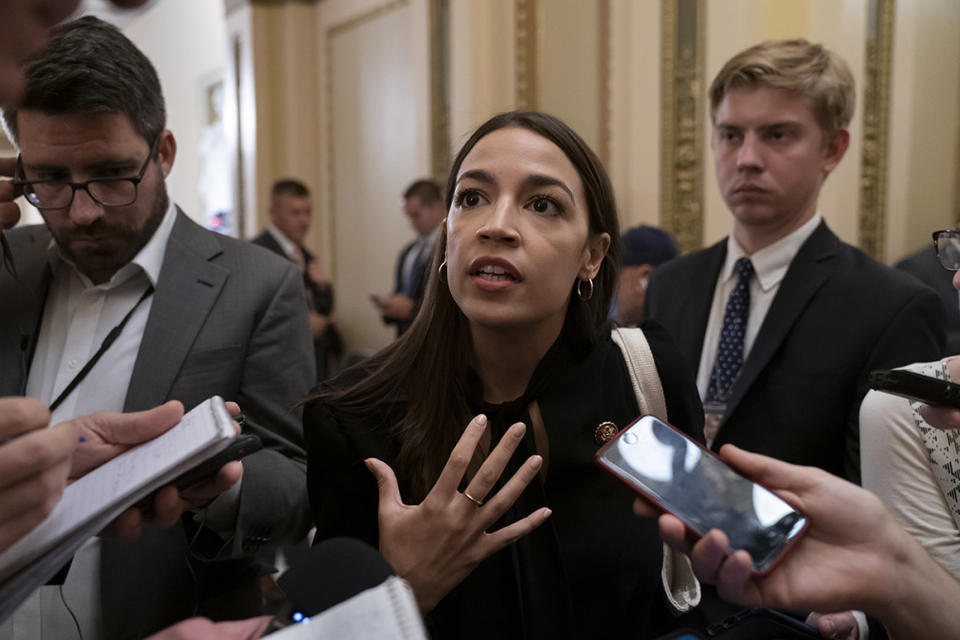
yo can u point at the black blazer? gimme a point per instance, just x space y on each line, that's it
328 346
321 298
592 570
837 316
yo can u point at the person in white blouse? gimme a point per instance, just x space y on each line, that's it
909 460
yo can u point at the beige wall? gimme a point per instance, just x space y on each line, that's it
375 107
634 118
482 75
568 56
924 124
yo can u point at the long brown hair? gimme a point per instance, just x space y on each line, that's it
428 366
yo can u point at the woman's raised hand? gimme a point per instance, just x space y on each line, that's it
436 544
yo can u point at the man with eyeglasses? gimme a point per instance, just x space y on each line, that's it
132 304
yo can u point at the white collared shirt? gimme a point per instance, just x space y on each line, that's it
77 317
770 265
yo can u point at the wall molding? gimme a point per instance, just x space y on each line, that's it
439 11
683 33
526 54
878 67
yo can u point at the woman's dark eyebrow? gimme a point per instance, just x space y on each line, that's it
534 180
540 180
477 174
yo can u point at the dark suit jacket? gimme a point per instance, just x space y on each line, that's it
322 298
328 346
227 319
592 570
837 316
419 276
925 266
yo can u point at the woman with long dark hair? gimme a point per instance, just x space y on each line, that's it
505 528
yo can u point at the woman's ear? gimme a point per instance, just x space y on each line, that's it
593 255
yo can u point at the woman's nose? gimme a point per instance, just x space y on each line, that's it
500 223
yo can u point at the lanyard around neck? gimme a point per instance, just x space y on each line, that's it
107 341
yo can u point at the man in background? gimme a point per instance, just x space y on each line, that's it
781 320
423 205
290 216
192 314
643 249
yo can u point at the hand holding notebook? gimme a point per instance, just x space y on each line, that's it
97 498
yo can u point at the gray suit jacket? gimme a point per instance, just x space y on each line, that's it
227 319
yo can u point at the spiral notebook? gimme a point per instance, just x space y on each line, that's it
92 502
386 612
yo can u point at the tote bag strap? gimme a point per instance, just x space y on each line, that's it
680 586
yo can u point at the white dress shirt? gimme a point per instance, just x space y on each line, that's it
77 317
770 265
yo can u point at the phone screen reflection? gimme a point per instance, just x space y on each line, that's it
704 492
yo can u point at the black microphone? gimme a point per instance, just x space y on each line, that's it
333 571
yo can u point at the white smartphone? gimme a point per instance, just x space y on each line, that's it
680 476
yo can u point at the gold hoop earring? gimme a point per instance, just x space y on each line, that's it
442 265
580 289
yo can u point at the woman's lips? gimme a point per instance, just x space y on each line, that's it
494 274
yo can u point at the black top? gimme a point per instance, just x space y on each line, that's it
592 570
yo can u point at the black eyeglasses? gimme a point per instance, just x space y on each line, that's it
58 194
947 244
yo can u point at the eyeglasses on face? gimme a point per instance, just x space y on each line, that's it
58 194
947 244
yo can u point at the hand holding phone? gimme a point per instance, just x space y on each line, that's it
681 477
241 447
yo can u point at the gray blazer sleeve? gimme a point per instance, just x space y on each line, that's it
277 373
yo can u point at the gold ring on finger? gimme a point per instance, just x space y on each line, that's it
469 497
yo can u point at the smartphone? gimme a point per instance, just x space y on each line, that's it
761 624
913 386
242 446
680 476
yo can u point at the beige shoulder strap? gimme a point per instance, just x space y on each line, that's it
643 371
680 586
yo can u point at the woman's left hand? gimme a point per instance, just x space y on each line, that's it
436 544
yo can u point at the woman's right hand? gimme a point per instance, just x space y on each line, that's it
437 543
